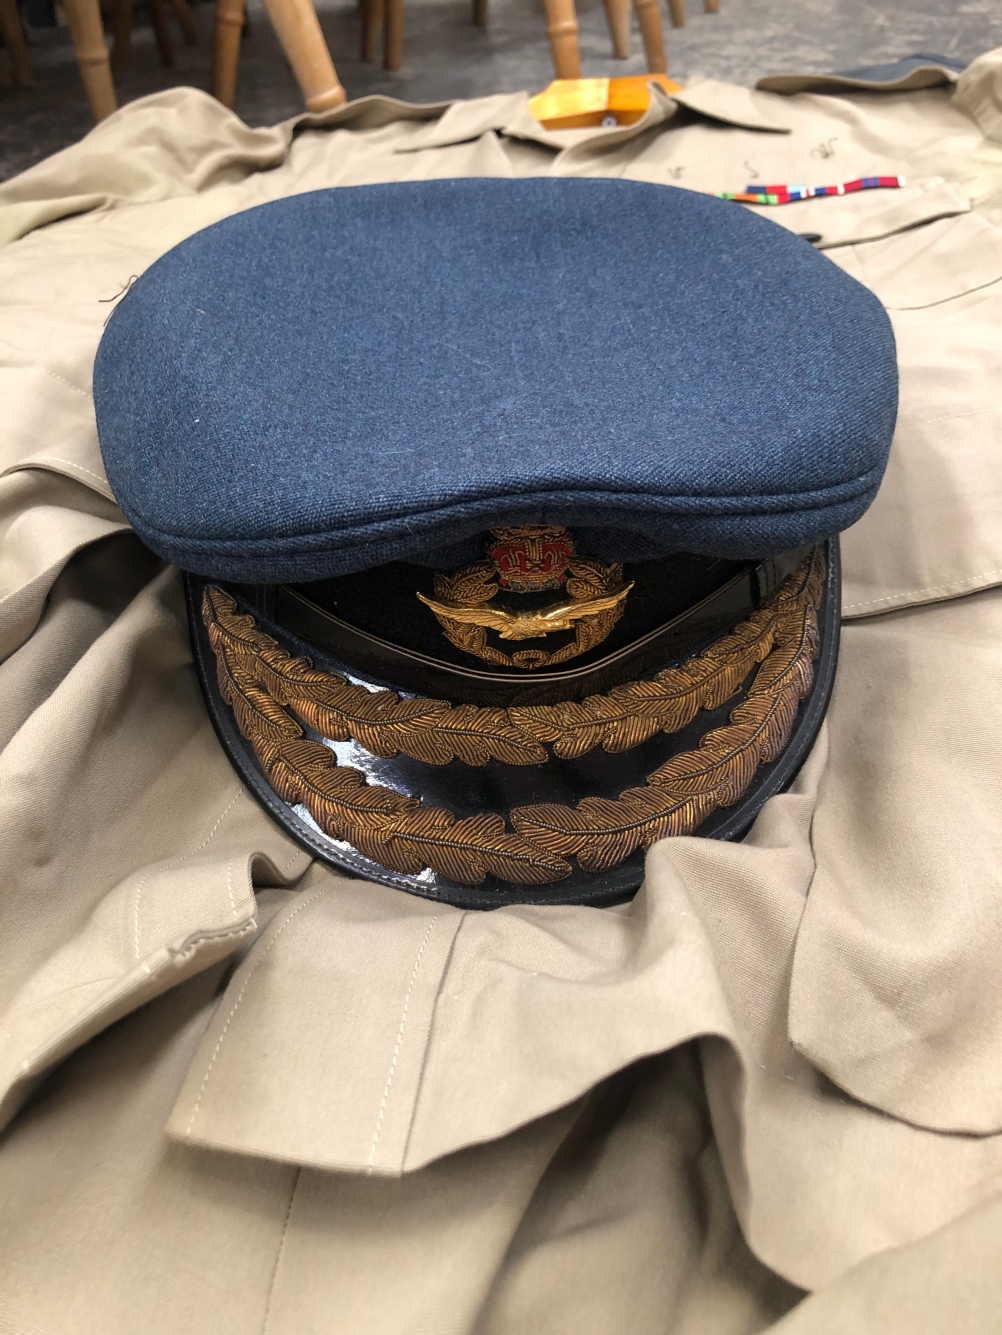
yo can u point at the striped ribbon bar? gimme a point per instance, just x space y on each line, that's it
788 194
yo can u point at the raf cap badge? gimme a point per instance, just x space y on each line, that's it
530 559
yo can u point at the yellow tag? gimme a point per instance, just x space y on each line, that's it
570 104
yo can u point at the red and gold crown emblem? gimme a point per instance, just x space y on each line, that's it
531 557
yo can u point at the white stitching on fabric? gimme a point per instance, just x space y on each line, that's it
946 417
396 1050
240 996
40 1059
281 1249
176 863
933 588
299 853
229 888
58 459
247 928
941 301
55 376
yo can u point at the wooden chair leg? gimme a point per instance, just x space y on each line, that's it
393 34
185 21
649 18
226 49
14 40
87 32
711 6
677 10
121 46
562 30
161 30
373 17
480 13
617 16
301 38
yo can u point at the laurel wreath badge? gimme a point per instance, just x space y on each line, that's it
529 558
273 694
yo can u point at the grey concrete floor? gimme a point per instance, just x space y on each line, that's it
446 56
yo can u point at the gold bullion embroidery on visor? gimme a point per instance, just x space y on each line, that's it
262 683
529 559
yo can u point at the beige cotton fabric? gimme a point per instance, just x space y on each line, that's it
245 1093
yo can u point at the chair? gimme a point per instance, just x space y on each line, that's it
89 46
296 26
91 49
676 9
301 38
121 52
561 29
87 33
12 32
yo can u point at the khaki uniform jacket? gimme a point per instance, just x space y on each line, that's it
244 1093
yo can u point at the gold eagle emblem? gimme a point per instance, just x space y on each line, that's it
527 625
526 560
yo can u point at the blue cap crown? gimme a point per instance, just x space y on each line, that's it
365 374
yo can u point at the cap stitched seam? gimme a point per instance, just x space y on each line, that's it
838 493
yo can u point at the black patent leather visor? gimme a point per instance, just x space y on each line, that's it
391 752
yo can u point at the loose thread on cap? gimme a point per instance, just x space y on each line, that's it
104 301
